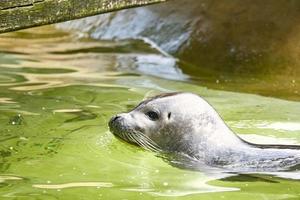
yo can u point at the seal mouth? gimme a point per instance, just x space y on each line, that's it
136 137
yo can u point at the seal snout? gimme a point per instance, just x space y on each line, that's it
113 121
116 123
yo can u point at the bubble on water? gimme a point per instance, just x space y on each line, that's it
17 120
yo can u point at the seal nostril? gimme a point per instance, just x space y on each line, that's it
115 118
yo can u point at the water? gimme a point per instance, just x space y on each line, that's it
57 93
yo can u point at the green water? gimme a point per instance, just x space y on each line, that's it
57 93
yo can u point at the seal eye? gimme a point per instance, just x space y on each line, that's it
152 115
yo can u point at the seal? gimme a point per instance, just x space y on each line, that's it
185 124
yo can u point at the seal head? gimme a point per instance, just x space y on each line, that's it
172 122
185 123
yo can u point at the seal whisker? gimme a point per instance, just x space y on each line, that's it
148 142
125 136
132 136
146 146
141 142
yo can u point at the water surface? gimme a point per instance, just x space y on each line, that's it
57 93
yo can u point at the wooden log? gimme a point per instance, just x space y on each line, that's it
20 14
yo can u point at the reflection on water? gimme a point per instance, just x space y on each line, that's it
57 92
70 185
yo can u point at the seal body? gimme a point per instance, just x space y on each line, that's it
185 124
